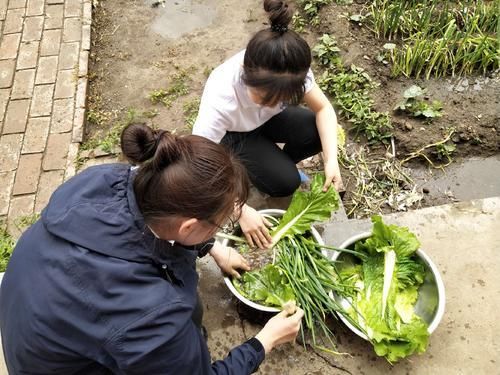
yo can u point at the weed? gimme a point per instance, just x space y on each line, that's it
418 107
349 89
26 221
191 112
311 9
442 149
7 244
178 87
111 139
299 23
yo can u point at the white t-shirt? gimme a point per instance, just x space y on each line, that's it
226 105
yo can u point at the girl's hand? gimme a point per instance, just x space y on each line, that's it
255 228
280 329
229 260
332 176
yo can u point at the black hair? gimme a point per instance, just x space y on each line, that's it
188 176
277 59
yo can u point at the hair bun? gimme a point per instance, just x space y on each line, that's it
140 143
279 13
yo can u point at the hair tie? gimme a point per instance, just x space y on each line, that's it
278 28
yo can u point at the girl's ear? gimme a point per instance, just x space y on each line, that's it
187 226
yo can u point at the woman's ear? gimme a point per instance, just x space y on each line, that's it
187 226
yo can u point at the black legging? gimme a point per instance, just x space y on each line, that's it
271 169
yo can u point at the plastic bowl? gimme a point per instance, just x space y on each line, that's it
269 212
431 296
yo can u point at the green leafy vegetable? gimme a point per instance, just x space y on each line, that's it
307 208
267 285
387 281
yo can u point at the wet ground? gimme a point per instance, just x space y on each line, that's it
461 239
472 178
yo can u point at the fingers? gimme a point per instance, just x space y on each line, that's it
327 184
235 273
267 222
249 239
299 314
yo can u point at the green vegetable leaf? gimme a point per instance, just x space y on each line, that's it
413 92
267 285
306 208
387 281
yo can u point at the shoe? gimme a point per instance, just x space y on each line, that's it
304 178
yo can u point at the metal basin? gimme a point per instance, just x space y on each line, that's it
269 212
431 297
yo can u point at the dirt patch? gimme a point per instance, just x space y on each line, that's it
470 104
129 60
139 49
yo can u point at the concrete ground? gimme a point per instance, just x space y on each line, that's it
462 239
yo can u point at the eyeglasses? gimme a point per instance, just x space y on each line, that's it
227 227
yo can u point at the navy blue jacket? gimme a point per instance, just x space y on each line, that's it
90 290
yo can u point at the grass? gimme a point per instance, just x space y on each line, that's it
7 244
437 38
190 110
178 87
111 139
26 221
350 90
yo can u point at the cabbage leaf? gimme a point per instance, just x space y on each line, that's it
306 208
388 290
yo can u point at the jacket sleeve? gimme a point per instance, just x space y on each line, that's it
166 341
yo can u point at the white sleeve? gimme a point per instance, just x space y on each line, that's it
210 123
213 120
309 82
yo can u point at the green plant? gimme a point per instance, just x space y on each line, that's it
178 87
444 151
438 37
299 23
417 107
311 9
350 92
299 271
386 280
111 138
26 221
7 244
190 110
441 149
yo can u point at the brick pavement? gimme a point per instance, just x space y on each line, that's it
44 51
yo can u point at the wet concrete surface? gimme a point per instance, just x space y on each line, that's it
473 178
178 17
463 241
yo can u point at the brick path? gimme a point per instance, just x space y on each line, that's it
44 50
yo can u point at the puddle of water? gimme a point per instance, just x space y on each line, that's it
474 178
179 17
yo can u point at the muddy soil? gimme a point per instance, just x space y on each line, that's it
139 46
470 104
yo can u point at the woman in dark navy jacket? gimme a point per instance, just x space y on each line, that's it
106 281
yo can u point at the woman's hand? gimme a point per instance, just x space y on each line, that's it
228 260
332 176
280 329
255 228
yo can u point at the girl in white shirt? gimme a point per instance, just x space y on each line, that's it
251 102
